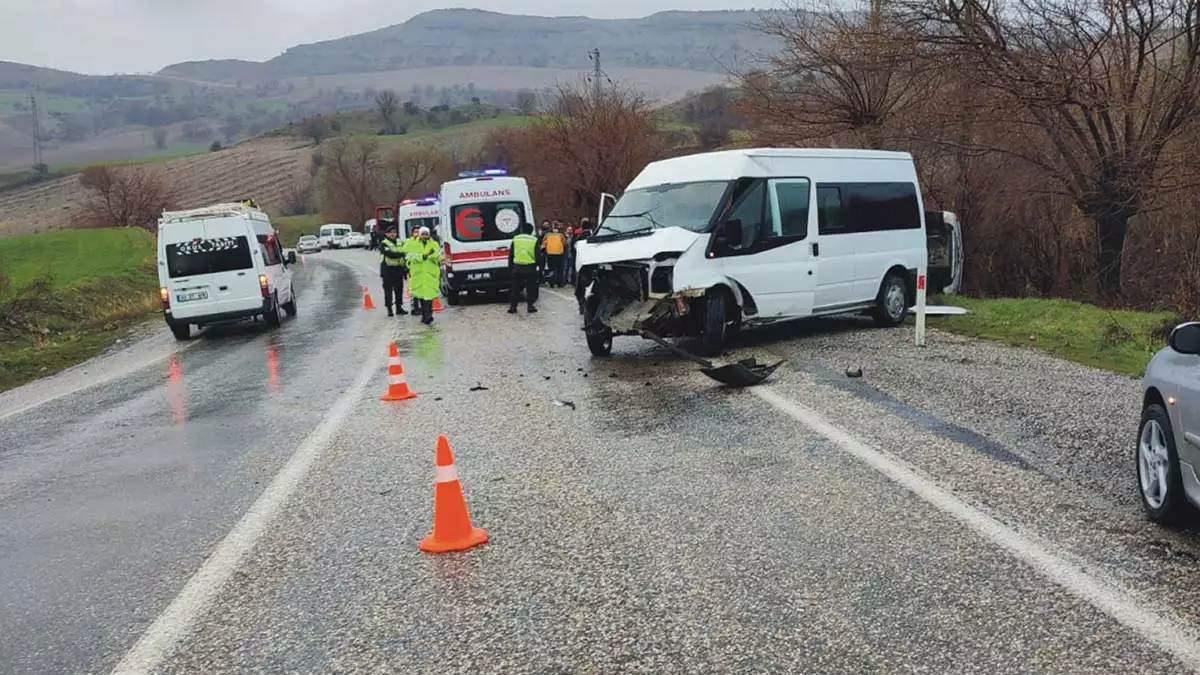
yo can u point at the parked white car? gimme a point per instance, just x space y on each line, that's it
308 244
1168 443
355 240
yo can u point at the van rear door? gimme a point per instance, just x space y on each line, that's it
944 242
210 266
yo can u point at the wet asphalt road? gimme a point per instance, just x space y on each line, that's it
660 524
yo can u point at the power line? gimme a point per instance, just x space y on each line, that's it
598 76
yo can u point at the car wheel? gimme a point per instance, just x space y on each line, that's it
274 316
600 341
182 331
290 305
1159 481
891 305
714 330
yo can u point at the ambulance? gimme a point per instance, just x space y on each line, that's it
480 214
416 213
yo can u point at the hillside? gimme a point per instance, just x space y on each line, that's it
702 41
265 168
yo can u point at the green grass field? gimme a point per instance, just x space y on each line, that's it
1118 340
18 101
67 296
291 227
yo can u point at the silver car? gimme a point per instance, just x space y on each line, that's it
1168 447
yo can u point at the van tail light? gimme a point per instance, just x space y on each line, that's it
164 296
446 255
264 286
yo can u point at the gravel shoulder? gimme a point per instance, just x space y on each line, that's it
1069 422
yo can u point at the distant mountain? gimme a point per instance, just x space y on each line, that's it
702 41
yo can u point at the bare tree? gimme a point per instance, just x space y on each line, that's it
416 166
351 176
526 102
1102 89
841 72
123 197
388 104
160 137
593 144
316 128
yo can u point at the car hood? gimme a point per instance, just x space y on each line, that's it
638 247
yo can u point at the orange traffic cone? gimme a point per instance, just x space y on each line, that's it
452 529
368 303
437 304
397 385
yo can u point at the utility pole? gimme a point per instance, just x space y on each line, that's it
597 73
37 132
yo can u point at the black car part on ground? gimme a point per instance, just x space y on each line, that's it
743 373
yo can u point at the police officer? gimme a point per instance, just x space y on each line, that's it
523 259
392 269
425 263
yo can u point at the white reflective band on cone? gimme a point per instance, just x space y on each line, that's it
393 361
445 474
396 379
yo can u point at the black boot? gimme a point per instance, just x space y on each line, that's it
531 309
512 309
399 310
390 313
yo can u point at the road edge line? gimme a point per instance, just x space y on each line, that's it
1110 598
176 621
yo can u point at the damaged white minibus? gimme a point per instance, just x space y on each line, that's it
705 244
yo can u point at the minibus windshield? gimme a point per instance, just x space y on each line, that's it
687 205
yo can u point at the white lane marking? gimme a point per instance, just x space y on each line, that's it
98 363
1159 628
177 620
564 296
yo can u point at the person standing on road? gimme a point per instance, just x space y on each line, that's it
523 263
425 266
555 246
392 269
412 243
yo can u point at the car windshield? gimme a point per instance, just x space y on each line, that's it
308 238
687 205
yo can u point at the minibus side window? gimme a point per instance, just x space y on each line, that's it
829 210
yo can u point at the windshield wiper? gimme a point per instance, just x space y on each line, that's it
644 214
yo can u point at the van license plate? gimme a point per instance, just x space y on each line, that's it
476 276
194 295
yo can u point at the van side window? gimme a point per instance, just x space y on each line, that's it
875 207
749 208
791 200
270 250
829 210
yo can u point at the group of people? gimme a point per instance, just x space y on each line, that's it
556 241
548 257
417 259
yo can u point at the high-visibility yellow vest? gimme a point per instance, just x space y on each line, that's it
396 249
524 248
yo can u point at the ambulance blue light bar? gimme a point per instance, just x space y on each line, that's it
479 173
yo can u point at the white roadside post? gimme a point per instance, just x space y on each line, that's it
920 332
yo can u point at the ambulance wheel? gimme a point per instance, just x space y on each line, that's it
599 341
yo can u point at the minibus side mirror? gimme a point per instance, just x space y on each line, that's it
729 233
291 258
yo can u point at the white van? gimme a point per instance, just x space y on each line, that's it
220 264
333 234
708 243
417 213
480 214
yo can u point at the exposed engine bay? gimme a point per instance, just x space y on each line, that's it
630 297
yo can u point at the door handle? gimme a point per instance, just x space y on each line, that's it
816 249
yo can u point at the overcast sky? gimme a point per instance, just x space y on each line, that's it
127 36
